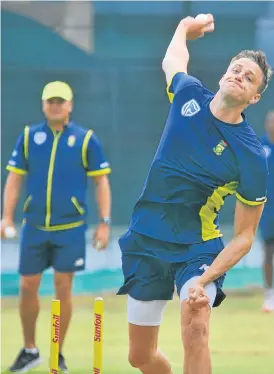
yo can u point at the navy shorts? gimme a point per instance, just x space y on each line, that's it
152 268
64 250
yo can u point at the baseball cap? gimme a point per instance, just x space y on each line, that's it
57 89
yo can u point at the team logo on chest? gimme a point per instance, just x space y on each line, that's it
40 137
190 108
220 147
71 140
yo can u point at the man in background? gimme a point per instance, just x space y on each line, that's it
267 220
56 156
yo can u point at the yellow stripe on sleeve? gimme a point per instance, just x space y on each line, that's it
96 173
171 94
16 170
248 202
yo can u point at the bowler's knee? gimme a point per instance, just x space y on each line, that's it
140 358
195 333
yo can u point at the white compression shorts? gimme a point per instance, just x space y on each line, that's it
150 313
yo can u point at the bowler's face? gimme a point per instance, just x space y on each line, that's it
242 81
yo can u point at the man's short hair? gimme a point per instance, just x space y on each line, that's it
260 58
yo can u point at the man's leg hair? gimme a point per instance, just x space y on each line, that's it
195 330
29 307
195 334
144 324
63 286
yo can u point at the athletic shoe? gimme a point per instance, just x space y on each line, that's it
268 305
25 361
62 364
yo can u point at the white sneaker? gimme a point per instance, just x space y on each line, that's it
268 305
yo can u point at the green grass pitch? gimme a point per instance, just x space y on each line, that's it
242 337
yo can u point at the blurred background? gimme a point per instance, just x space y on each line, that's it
110 53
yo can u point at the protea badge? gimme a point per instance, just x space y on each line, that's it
220 148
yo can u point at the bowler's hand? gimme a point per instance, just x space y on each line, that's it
196 295
196 28
101 236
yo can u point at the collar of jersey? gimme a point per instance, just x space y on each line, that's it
47 128
218 121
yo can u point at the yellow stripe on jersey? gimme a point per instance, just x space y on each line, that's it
66 226
85 148
209 211
26 142
50 176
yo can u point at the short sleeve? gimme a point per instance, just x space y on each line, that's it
97 163
182 81
253 182
17 163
